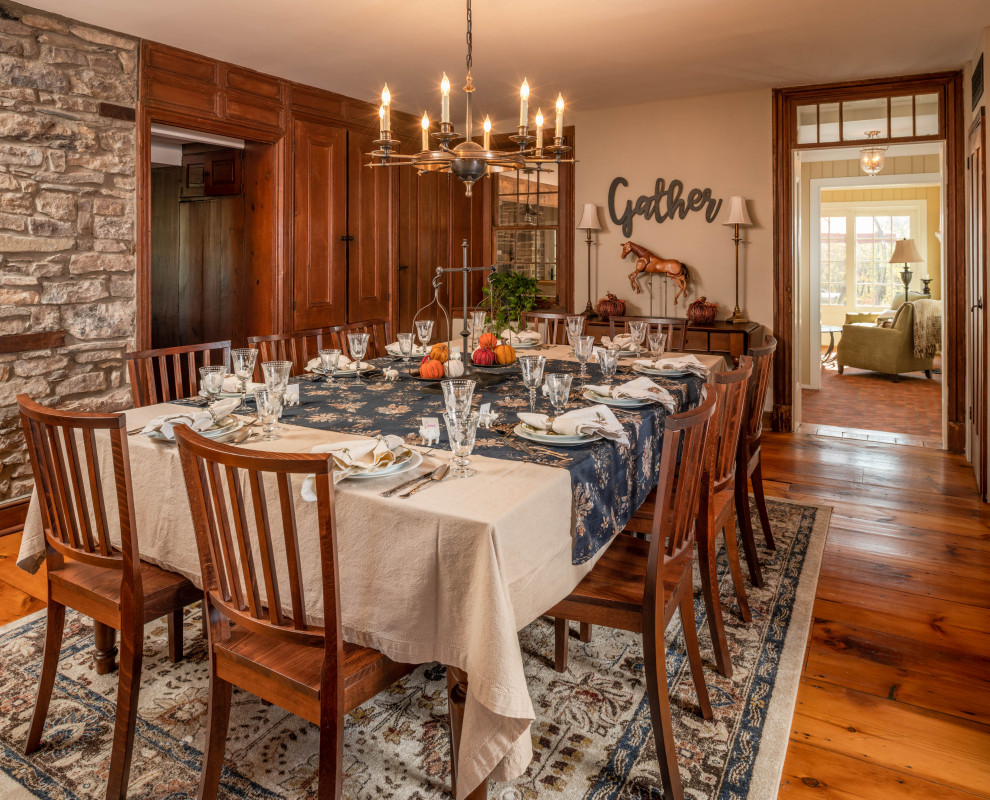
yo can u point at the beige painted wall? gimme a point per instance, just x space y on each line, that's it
722 142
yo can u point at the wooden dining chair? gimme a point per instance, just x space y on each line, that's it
172 373
637 585
300 347
271 650
716 505
86 571
380 331
674 327
749 468
553 324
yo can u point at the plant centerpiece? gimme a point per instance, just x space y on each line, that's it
508 296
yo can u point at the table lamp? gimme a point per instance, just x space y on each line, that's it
589 222
906 252
738 216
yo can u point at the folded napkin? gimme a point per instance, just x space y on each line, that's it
343 362
623 341
232 385
638 389
580 422
527 335
393 349
353 457
688 363
197 420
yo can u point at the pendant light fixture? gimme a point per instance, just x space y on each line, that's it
871 157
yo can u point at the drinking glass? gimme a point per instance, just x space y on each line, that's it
211 381
269 404
532 375
329 359
461 430
424 331
358 344
405 346
559 391
478 320
575 327
608 360
277 379
637 329
243 360
583 348
458 394
658 341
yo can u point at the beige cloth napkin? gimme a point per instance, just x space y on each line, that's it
638 389
197 420
232 384
623 341
343 362
349 458
688 363
527 335
580 422
393 349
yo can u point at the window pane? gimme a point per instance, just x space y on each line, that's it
807 124
828 122
833 261
878 281
926 114
860 116
901 116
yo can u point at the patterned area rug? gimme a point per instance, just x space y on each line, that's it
592 739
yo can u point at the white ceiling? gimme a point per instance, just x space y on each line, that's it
599 54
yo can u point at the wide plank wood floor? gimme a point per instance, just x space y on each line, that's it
894 699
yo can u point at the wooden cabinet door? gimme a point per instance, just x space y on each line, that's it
319 257
372 232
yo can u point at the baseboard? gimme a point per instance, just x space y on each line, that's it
12 515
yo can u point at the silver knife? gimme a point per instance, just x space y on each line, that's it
406 484
438 475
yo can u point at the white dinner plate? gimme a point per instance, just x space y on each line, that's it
411 462
660 373
229 395
557 439
619 402
230 426
527 345
349 371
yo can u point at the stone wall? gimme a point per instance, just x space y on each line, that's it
67 218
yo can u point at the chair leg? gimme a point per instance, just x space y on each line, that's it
216 737
125 720
175 636
586 632
655 664
713 603
928 374
761 505
732 552
204 620
54 627
561 631
746 527
694 652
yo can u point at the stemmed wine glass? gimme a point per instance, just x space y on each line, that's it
608 360
243 360
358 344
532 375
658 341
458 394
575 327
637 329
329 360
478 320
277 379
424 331
583 348
269 403
461 431
211 381
405 346
559 391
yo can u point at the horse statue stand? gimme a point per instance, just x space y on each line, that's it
650 263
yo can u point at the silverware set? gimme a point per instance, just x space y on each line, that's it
413 485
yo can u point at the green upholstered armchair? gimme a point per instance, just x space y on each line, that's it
889 350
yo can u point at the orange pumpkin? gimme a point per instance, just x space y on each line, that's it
488 340
505 354
431 370
440 352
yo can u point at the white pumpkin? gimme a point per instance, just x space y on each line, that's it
454 368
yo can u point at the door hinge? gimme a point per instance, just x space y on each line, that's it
346 238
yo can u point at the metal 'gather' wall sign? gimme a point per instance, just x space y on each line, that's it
666 201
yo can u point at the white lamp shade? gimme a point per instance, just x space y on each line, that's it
589 219
905 252
738 215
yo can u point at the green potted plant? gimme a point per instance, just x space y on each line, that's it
509 295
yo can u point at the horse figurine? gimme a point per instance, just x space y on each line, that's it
650 262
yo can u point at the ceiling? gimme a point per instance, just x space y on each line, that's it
598 54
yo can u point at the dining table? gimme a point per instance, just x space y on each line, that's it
453 572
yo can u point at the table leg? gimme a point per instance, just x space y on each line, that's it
105 656
457 683
829 356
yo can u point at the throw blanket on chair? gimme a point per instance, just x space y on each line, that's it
927 328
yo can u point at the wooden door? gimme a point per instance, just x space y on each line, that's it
978 297
371 229
319 257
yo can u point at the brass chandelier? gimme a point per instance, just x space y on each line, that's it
470 161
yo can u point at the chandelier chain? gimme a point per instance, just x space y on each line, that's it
469 36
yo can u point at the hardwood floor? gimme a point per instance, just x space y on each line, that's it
895 693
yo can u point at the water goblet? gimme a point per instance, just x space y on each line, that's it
406 346
658 341
358 344
461 431
559 392
329 359
478 320
637 329
532 375
269 403
458 394
424 331
243 360
276 375
575 327
211 381
583 348
608 360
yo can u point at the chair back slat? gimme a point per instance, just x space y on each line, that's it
723 434
759 383
674 327
274 612
71 492
553 324
172 373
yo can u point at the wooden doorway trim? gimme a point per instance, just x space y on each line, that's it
949 86
979 293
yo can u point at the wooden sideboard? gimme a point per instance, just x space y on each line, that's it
718 337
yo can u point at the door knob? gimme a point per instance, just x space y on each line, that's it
402 267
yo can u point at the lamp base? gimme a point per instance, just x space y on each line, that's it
737 317
589 311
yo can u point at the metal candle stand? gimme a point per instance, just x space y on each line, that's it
649 286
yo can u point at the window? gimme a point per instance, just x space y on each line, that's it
897 117
833 259
876 280
527 224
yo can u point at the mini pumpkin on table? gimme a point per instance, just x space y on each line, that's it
610 306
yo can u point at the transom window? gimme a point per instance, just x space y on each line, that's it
909 116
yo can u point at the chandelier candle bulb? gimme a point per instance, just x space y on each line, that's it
559 129
524 104
488 134
387 113
381 121
539 129
445 99
426 132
